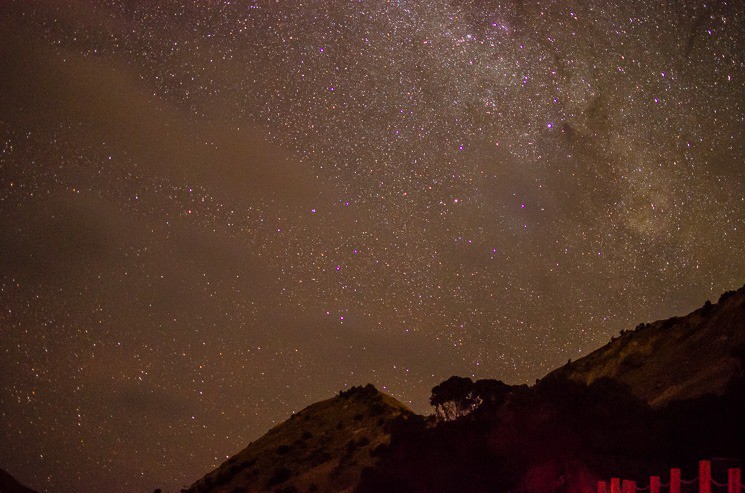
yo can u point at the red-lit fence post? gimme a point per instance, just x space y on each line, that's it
705 481
675 480
654 484
734 481
704 476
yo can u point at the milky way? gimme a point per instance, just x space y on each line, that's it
213 213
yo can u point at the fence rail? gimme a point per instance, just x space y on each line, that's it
676 482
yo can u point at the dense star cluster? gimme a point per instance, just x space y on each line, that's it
215 212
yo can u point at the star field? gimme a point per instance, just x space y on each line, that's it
214 213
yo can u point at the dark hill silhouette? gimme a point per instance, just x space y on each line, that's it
560 435
8 484
673 359
667 393
324 447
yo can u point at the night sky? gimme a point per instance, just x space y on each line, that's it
214 213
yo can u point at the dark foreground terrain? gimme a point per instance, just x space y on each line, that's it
665 394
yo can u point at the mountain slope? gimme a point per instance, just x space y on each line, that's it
8 484
666 394
674 359
324 447
663 393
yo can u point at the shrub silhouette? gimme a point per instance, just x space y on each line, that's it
453 397
558 430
